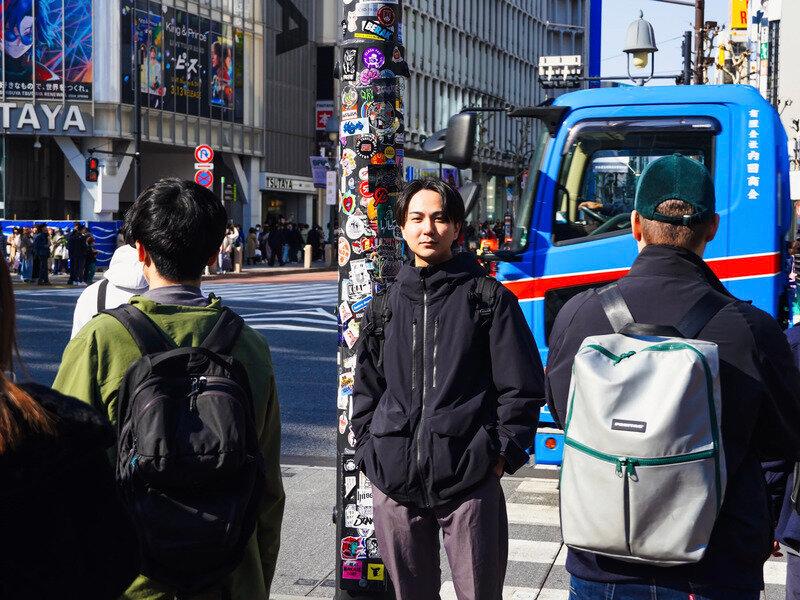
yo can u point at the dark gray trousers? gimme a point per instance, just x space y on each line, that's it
475 533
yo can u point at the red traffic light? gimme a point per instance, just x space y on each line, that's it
92 169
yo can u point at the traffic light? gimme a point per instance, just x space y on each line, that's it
92 169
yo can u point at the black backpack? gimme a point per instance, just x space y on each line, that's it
189 468
482 298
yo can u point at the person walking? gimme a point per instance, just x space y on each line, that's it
91 260
65 532
58 244
671 285
76 246
448 386
24 245
276 241
41 254
223 462
251 246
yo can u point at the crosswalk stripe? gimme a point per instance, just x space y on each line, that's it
532 551
538 486
775 573
532 514
448 592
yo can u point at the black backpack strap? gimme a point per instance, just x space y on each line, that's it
101 295
617 311
147 335
484 297
226 331
701 313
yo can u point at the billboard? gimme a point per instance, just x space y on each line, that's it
191 65
47 49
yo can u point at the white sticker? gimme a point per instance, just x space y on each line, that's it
355 227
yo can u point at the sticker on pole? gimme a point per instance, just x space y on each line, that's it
204 154
204 178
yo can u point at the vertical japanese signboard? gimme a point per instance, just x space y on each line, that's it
371 67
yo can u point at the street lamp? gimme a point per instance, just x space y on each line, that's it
641 45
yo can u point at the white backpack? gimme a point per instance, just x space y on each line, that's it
643 475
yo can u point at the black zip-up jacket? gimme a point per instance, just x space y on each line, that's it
450 396
760 411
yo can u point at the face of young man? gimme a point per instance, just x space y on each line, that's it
428 231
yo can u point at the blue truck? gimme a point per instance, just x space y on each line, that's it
572 223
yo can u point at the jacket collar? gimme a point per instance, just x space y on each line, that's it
674 262
437 280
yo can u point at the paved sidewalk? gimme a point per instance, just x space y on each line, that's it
536 555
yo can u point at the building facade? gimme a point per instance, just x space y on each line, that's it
484 53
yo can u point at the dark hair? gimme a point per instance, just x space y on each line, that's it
685 236
180 224
20 415
452 202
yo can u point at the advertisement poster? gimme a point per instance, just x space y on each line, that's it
18 48
149 37
191 65
221 63
49 49
78 66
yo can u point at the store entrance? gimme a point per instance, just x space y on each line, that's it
33 184
277 206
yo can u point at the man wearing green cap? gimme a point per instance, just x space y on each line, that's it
673 221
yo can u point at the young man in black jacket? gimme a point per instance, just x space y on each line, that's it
760 389
447 395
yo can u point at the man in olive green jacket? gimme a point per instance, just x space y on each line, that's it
95 361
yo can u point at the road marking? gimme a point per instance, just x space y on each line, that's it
533 551
532 514
774 573
448 592
538 486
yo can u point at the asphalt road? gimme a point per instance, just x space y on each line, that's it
296 319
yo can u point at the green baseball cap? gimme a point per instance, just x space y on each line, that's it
676 177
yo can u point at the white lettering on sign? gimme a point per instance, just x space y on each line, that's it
280 184
74 119
51 114
6 108
28 118
32 116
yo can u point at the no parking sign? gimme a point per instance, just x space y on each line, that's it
204 178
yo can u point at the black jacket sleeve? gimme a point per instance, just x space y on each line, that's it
369 384
777 431
518 378
563 348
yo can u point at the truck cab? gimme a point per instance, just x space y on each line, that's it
572 224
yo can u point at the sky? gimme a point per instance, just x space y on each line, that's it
669 22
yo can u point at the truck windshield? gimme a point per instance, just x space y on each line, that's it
601 165
522 218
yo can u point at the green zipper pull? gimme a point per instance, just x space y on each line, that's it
631 468
622 463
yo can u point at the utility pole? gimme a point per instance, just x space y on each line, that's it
137 119
371 69
700 40
686 50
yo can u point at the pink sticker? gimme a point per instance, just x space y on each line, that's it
351 569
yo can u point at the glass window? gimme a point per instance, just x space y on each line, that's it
602 164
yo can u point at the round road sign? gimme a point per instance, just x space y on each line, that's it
204 178
204 154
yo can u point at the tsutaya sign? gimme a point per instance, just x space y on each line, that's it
58 119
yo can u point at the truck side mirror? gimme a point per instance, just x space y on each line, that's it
460 148
470 192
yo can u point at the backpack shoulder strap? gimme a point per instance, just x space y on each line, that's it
147 335
701 313
485 292
617 311
102 289
225 332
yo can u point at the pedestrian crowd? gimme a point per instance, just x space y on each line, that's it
278 241
680 406
35 253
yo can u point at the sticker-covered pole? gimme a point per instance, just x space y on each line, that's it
371 67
